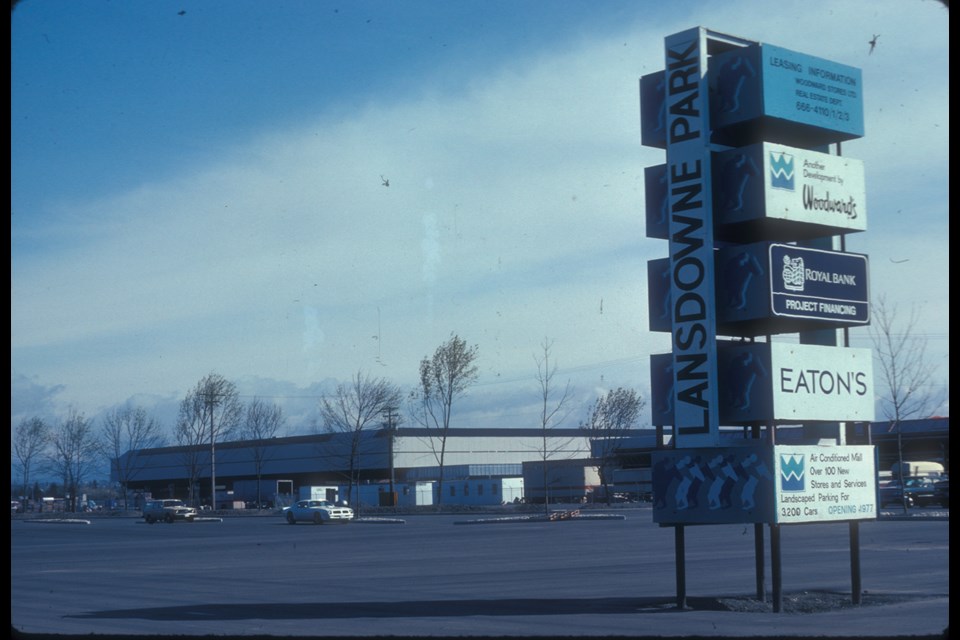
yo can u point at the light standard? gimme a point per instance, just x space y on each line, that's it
391 434
210 398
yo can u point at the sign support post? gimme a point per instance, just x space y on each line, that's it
681 565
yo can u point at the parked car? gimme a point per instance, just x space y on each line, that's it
167 511
318 512
941 489
921 489
891 494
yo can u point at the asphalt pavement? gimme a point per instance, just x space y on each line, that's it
425 576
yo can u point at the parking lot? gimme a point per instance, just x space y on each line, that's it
429 576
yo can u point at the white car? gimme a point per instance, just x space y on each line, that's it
168 511
318 512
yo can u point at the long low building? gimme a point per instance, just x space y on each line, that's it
397 457
480 466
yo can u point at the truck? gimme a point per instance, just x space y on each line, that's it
916 468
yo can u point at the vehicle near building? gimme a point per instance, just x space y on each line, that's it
917 468
168 511
891 494
941 489
318 512
922 491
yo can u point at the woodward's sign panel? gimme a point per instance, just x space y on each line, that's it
696 420
819 484
718 485
823 285
767 382
770 93
770 191
759 483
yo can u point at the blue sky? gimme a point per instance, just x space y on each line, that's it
205 192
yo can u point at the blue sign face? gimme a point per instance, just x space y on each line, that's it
719 485
820 285
786 89
812 90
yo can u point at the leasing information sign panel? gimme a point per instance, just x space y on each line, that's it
815 483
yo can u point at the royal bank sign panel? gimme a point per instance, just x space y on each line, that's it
752 483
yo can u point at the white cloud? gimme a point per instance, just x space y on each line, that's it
514 208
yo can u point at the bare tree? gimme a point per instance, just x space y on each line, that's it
901 353
74 449
189 434
29 442
554 410
127 430
443 379
609 420
214 407
353 408
261 423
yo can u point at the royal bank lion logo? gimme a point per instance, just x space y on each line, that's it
793 273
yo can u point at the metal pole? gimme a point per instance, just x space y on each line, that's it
758 552
213 459
775 567
855 561
758 538
681 566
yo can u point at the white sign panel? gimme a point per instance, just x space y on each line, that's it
817 483
812 382
816 188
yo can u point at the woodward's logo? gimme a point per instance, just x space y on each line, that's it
792 471
781 171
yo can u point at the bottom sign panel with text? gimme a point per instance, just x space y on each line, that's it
757 483
816 483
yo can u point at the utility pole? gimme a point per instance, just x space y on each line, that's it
212 399
388 412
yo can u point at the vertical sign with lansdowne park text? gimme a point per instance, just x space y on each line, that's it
691 241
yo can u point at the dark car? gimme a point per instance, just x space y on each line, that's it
941 490
891 495
922 491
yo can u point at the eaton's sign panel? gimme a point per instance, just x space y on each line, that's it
784 95
822 285
820 484
769 191
766 382
795 383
